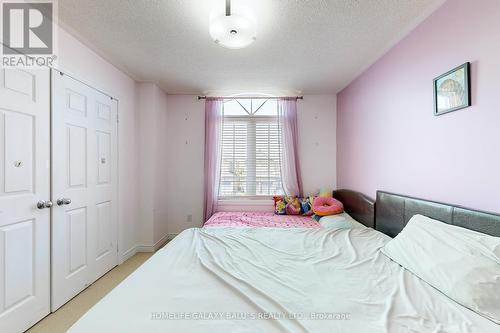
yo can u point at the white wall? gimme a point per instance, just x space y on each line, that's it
82 63
317 122
163 154
186 136
145 106
152 164
317 126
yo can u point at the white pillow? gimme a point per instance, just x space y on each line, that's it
461 263
340 221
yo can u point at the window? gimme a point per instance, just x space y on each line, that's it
251 149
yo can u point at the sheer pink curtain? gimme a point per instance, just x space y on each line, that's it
213 135
290 166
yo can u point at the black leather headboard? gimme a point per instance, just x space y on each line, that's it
358 205
394 211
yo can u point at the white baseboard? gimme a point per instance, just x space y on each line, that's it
159 244
145 248
127 255
171 236
154 247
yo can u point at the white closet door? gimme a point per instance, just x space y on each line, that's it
24 180
84 186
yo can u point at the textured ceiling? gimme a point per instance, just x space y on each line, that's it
309 46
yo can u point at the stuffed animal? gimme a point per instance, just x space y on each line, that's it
292 206
306 206
325 193
324 206
279 205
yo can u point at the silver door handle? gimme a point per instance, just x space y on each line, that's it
44 204
63 201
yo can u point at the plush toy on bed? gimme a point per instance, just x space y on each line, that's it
306 206
323 206
279 205
325 192
289 205
292 205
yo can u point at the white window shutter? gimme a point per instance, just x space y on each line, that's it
250 161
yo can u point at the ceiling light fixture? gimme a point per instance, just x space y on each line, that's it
232 30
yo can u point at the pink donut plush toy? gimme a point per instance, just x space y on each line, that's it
323 206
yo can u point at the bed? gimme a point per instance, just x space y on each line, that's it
260 220
248 279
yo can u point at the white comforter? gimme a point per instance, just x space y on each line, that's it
277 280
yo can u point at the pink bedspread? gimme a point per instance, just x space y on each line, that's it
260 220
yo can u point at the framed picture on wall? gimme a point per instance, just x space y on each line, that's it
452 90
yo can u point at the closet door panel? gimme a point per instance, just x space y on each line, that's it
24 180
84 186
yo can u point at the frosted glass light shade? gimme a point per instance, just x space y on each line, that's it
234 31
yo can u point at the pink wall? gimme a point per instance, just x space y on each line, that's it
387 135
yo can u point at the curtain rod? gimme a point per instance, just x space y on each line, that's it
255 97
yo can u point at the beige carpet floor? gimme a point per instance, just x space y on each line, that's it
61 320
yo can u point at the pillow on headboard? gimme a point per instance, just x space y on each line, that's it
461 263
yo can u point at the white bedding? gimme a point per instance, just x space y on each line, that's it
323 280
463 264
